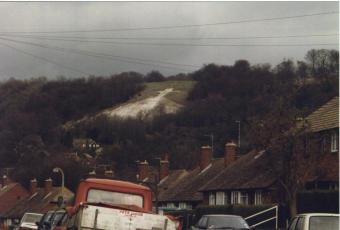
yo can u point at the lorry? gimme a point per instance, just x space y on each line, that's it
102 204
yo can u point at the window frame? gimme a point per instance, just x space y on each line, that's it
235 197
258 197
334 142
212 198
220 196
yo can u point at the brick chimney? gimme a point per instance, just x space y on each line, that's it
206 156
33 186
48 185
5 180
229 153
164 167
143 170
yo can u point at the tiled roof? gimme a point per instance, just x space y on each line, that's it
170 183
10 195
40 202
250 171
326 117
187 188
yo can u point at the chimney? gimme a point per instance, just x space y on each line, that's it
4 180
48 185
33 186
229 153
164 168
143 170
206 156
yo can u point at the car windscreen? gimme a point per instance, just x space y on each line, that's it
114 198
31 218
324 223
227 222
57 217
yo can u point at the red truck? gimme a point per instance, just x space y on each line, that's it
102 204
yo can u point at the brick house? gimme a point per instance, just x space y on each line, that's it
184 193
36 199
323 127
10 194
247 180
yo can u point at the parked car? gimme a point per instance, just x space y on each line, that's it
29 220
315 221
231 222
51 219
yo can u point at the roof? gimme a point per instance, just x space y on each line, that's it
170 182
10 195
40 202
187 189
326 117
251 171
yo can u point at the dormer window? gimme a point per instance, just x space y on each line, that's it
334 142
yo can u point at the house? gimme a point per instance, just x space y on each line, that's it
10 194
184 192
323 127
36 200
248 180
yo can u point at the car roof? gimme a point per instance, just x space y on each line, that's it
317 214
215 215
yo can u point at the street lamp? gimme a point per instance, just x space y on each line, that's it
59 170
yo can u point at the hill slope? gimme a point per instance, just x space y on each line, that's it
156 98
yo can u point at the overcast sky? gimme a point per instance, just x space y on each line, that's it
66 52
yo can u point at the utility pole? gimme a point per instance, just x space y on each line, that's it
212 141
239 133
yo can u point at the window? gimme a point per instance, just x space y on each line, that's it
212 198
238 197
220 198
235 197
258 197
334 186
334 142
244 198
324 222
170 205
111 197
182 205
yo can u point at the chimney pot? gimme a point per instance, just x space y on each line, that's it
48 185
229 153
143 170
206 157
164 168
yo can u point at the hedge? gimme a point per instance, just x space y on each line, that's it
318 201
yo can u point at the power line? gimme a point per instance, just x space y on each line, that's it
101 55
178 26
45 59
170 38
192 44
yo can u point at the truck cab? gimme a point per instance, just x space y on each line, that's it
114 192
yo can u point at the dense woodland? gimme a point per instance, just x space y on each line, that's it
32 114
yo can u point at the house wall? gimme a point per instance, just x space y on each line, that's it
323 145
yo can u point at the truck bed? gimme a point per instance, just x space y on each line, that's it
103 218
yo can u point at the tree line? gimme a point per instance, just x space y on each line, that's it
32 113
